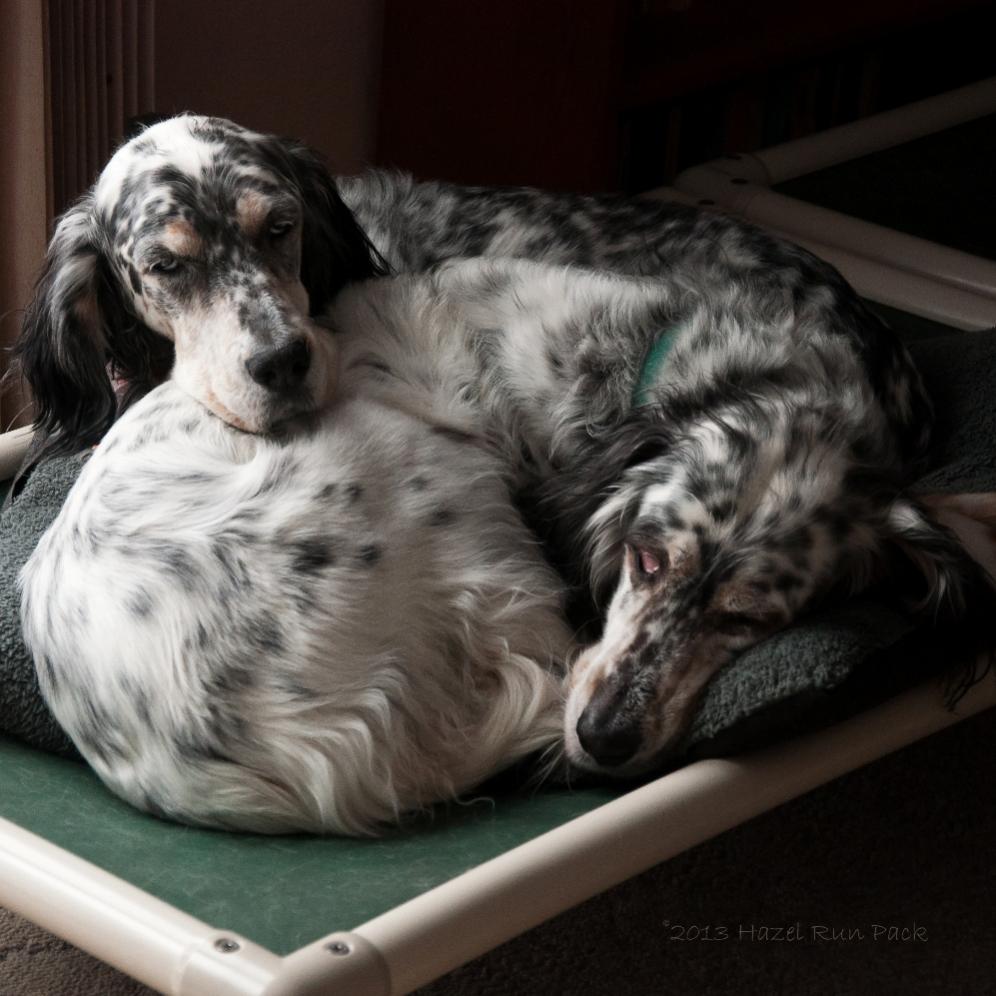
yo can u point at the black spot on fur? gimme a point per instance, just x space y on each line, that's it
369 554
192 747
674 521
798 540
96 733
151 805
442 517
176 561
140 604
722 511
50 673
312 556
266 634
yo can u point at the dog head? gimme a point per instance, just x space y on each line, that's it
204 249
724 539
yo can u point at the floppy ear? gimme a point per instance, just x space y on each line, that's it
61 349
76 325
560 509
335 250
947 543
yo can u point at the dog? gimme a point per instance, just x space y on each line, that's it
321 632
196 224
262 607
708 499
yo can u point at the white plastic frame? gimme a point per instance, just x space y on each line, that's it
916 275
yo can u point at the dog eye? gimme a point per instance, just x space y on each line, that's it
646 564
164 266
279 229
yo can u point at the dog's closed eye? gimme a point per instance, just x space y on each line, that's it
279 228
164 265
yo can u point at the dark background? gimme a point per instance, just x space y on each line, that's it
610 94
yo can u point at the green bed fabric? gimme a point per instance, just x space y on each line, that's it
281 892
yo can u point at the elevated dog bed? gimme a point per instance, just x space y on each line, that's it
198 912
191 911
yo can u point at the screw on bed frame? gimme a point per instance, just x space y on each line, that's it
338 948
226 945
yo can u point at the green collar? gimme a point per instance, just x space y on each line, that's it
653 363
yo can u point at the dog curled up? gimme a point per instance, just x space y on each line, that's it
264 608
290 590
320 633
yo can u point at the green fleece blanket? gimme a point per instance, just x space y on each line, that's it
830 664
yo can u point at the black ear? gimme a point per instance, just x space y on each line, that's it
559 508
940 571
335 250
61 349
77 333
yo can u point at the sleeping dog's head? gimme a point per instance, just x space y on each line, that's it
203 248
723 540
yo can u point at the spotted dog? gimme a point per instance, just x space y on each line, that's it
712 432
261 607
204 252
319 633
707 497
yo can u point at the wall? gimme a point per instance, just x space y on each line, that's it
303 68
22 177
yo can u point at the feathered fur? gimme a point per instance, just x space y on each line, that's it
290 591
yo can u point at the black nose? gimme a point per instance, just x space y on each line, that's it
611 738
282 368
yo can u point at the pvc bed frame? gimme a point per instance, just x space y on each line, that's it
901 271
583 843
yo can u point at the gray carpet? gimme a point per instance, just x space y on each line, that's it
34 963
906 841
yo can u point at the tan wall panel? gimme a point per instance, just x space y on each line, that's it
23 213
303 68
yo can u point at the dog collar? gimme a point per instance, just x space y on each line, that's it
653 363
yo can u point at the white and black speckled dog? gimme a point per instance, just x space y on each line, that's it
321 631
715 493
